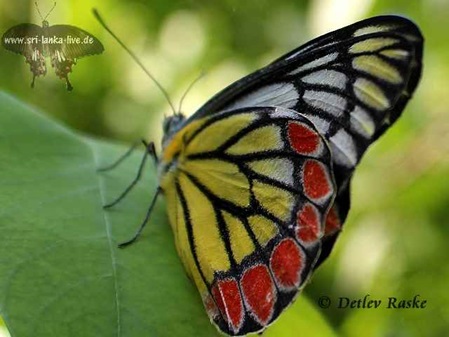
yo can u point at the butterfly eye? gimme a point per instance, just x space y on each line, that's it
166 124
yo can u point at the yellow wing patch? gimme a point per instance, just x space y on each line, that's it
263 228
178 222
275 200
221 177
371 45
241 243
371 94
371 30
209 247
277 169
374 65
219 132
269 135
398 54
177 143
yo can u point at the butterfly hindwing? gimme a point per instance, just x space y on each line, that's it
352 84
249 199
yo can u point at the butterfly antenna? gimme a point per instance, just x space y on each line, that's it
201 75
164 92
39 12
51 10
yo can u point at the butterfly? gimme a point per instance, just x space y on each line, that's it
64 44
257 181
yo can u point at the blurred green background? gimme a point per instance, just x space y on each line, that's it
396 239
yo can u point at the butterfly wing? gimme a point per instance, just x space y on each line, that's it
352 83
248 191
18 39
25 39
76 43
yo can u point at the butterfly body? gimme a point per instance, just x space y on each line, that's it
63 44
257 181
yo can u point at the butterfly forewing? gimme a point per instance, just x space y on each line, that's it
352 84
78 42
250 190
24 39
10 39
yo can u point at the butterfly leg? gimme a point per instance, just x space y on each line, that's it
150 150
121 159
145 221
68 84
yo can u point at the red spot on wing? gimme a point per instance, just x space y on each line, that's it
259 292
287 262
333 222
227 297
303 139
316 180
308 227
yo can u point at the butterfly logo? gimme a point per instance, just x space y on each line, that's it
63 44
257 181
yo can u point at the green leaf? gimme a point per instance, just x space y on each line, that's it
61 273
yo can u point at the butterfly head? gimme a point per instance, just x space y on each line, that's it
171 125
45 24
172 144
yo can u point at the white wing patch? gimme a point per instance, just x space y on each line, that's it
278 94
321 124
286 113
315 63
328 102
327 77
362 123
343 149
